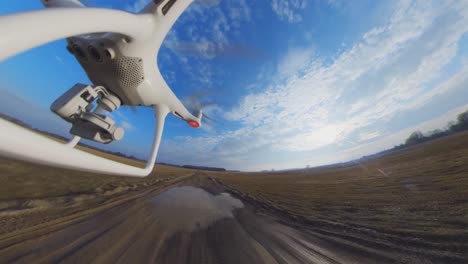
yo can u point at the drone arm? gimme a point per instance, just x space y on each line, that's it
27 30
165 13
178 109
170 10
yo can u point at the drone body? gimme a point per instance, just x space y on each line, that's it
118 52
126 65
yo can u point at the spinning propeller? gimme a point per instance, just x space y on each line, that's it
198 105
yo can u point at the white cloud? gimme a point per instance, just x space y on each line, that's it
296 59
368 135
240 11
289 10
316 138
316 100
214 24
396 67
121 119
204 32
127 126
202 48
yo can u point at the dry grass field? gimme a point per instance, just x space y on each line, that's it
410 200
21 180
33 194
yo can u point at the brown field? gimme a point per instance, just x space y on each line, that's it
414 202
33 194
29 181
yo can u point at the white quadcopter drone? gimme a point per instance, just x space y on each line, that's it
117 50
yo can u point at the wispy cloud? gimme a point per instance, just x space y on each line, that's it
318 95
295 61
222 19
126 125
364 136
393 68
204 32
122 120
289 10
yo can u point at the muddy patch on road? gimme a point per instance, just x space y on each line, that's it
188 208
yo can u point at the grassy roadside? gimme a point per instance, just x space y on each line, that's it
33 195
20 180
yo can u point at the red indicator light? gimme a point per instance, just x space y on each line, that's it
194 124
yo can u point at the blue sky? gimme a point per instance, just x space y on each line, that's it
297 82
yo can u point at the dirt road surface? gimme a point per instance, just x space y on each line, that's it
193 220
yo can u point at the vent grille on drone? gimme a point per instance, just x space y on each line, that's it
129 71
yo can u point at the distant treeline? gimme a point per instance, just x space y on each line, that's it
203 168
15 120
415 138
453 127
193 167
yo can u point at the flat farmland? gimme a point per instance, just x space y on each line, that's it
409 206
411 200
